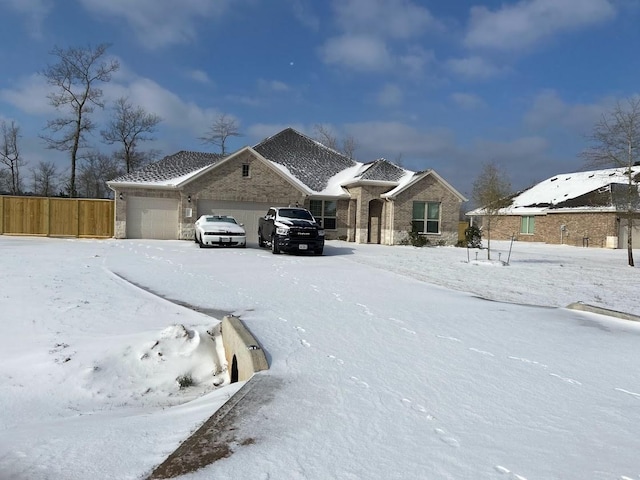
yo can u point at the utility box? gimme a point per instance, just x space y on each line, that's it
611 242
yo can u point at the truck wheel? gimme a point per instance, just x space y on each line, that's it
318 251
274 246
260 240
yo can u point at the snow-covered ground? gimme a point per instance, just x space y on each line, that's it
392 362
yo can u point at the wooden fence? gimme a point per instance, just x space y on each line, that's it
56 217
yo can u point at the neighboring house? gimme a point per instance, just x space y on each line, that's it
376 202
582 209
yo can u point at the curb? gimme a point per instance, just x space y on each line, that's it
584 307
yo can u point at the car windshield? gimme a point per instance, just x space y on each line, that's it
220 219
295 213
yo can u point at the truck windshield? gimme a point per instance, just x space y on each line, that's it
295 213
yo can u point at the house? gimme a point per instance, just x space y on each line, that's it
581 209
377 202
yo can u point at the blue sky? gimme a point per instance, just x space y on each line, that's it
448 85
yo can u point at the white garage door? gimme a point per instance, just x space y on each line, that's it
246 213
155 218
635 239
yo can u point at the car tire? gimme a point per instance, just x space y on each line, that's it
195 237
319 251
260 240
274 246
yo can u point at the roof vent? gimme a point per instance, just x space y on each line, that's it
567 178
554 179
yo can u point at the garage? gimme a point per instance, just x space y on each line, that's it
635 239
155 218
246 213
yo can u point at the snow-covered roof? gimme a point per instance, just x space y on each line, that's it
309 161
314 168
584 191
170 170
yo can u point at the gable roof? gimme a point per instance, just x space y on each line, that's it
306 159
311 167
170 170
579 191
382 170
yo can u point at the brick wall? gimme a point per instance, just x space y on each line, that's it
581 229
427 190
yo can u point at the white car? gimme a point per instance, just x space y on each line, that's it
221 230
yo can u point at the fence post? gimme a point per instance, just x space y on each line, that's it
47 209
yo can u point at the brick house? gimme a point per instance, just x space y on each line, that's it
377 202
580 209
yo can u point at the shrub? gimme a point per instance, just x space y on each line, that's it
473 237
415 239
185 381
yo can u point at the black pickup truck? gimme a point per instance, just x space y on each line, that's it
290 229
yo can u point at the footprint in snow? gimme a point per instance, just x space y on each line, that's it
305 343
445 337
565 379
339 361
360 383
446 438
300 329
506 471
412 332
482 352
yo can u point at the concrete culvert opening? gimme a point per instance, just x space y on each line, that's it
234 370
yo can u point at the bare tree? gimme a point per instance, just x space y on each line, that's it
75 77
491 189
615 143
10 155
325 136
222 128
349 146
130 126
45 179
95 172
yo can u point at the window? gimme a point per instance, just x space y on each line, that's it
527 225
426 217
245 170
325 212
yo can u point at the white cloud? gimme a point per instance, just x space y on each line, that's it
35 12
199 76
393 139
548 109
390 96
303 11
273 86
525 23
416 59
474 67
30 97
467 101
357 52
159 22
387 18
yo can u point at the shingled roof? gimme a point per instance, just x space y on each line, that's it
308 160
597 190
171 167
382 170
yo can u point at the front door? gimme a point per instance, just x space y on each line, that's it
375 221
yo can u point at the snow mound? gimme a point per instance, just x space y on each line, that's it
178 362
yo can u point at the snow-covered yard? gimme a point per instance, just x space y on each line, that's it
392 362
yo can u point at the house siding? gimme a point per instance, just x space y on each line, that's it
427 190
582 229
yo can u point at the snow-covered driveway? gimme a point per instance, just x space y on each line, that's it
382 374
